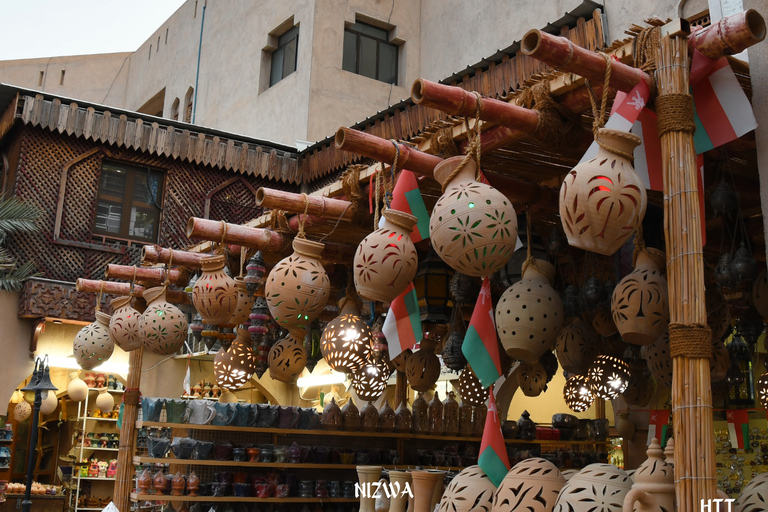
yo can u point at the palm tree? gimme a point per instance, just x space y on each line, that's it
16 217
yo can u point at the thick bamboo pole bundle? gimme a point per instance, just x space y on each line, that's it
150 275
730 35
319 206
689 334
116 288
157 254
131 399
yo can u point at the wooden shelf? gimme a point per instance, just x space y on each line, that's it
276 465
236 499
203 355
96 419
115 391
6 441
95 449
90 508
103 478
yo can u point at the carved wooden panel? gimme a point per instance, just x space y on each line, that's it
41 298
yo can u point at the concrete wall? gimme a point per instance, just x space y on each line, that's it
17 334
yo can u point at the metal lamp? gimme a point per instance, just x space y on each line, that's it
432 283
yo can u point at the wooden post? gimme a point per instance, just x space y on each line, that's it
150 275
690 344
157 254
730 35
319 206
132 402
116 288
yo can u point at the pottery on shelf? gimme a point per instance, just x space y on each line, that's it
596 487
331 419
435 415
654 483
287 358
420 415
369 418
193 484
93 344
603 200
403 418
215 293
532 485
473 226
465 419
350 416
450 415
162 326
159 482
178 484
526 428
387 420
469 491
399 500
386 262
124 324
478 421
368 475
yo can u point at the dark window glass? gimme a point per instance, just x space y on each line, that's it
367 52
285 56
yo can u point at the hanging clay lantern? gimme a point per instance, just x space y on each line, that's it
22 411
659 360
529 314
531 485
370 381
654 483
759 294
423 366
532 379
602 322
608 377
603 200
743 265
470 388
346 340
386 261
298 287
640 303
234 366
723 274
254 273
577 347
577 394
754 496
761 390
93 345
641 387
124 324
401 360
215 293
77 389
596 487
473 226
469 491
244 303
105 402
287 358
162 326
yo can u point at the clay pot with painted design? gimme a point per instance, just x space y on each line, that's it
215 293
162 326
124 324
93 345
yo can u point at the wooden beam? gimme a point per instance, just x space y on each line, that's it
151 275
117 288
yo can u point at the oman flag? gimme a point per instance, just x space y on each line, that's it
493 458
738 428
402 326
658 425
406 197
480 347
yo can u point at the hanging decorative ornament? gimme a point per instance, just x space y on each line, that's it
93 345
254 273
470 388
77 389
592 293
640 303
723 274
577 347
761 390
576 393
722 199
215 293
570 299
50 403
312 345
423 366
287 357
401 360
370 381
718 314
557 244
22 411
453 357
743 265
641 387
234 366
298 287
602 200
532 379
659 360
602 322
380 349
105 402
346 341
751 326
124 324
162 326
608 377
548 361
244 303
614 346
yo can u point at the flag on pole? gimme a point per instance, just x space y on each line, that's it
402 326
738 428
481 347
722 111
658 425
406 197
493 458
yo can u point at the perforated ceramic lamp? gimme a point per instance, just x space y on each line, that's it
470 491
124 324
287 358
470 389
370 381
162 326
761 389
346 341
423 367
531 485
608 377
93 345
577 394
234 366
215 293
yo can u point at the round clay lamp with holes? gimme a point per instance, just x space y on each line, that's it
608 377
659 360
639 304
234 366
386 261
423 367
162 326
603 200
602 322
473 226
22 411
532 379
370 381
346 340
298 287
529 314
577 346
531 485
596 487
761 389
93 344
245 301
215 293
469 491
287 358
470 388
124 324
754 496
577 394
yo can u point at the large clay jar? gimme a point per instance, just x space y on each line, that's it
659 360
331 419
424 485
368 475
245 302
603 200
215 293
124 324
435 415
469 491
93 344
350 416
403 418
531 485
162 326
420 415
639 304
423 367
473 226
287 358
597 487
234 366
451 415
754 496
298 287
654 483
386 261
398 480
529 314
577 346
532 378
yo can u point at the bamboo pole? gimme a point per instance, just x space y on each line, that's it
319 206
131 399
117 288
730 35
691 387
151 275
157 254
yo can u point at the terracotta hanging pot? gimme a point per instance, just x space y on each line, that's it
124 324
298 287
234 366
287 358
162 326
77 389
532 379
346 340
654 483
596 487
105 402
576 393
423 367
93 344
531 485
659 360
639 304
245 302
608 377
469 491
470 388
473 226
215 293
603 200
577 347
602 322
386 261
529 314
370 381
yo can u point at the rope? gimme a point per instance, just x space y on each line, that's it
557 125
350 184
530 261
639 244
303 218
391 188
242 259
675 113
614 150
601 112
132 396
98 299
473 148
690 340
168 268
644 49
443 143
377 198
133 281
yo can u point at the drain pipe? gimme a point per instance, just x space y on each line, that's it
197 72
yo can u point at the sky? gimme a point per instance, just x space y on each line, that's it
51 28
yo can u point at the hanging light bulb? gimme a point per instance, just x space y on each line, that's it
608 377
576 393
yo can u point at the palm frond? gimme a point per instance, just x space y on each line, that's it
12 279
18 217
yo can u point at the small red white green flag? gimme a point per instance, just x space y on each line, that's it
493 458
738 428
658 426
481 347
402 326
406 197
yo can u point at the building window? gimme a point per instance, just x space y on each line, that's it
368 52
285 56
188 99
175 110
128 204
40 78
61 79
